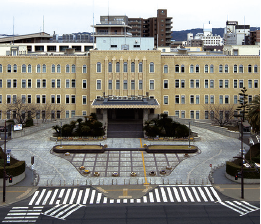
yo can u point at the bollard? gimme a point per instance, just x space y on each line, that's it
60 182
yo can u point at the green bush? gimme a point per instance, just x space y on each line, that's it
232 169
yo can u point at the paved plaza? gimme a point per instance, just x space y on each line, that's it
54 170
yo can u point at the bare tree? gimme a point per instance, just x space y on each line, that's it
50 110
21 110
221 114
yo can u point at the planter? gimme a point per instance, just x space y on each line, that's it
86 171
96 174
82 168
115 174
152 173
133 174
163 172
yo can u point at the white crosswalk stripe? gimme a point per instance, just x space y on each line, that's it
160 194
62 211
242 207
23 214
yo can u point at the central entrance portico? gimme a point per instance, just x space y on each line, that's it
124 116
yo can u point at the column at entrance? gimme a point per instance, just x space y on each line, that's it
145 115
105 120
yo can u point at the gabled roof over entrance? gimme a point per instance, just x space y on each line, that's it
125 103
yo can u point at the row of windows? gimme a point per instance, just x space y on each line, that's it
208 99
180 84
42 83
42 68
195 114
54 99
178 68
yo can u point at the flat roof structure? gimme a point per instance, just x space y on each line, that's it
125 103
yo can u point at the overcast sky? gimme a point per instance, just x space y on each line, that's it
64 16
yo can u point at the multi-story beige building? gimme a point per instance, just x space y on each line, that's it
135 83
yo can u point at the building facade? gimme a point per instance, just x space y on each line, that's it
181 86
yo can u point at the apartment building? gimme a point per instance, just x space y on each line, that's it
158 27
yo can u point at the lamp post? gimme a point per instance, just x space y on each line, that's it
61 135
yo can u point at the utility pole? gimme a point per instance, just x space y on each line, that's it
4 175
242 166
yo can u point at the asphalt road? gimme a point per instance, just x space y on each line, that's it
153 214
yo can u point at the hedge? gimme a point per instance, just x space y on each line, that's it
232 169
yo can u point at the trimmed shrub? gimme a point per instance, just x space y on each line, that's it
232 169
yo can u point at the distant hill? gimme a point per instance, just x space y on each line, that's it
182 35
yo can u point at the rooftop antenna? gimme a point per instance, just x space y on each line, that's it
93 25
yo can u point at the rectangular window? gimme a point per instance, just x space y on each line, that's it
117 84
166 84
197 83
226 99
110 67
140 67
67 99
183 99
14 83
117 67
84 100
23 99
177 68
72 113
197 99
197 114
151 84
177 99
67 83
176 83
125 67
166 100
221 99
211 83
235 83
44 83
140 84
58 83
192 114
177 113
226 83
29 99
67 114
9 83
206 83
14 98
23 83
183 114
84 69
109 84
192 99
255 83
166 70
73 99
125 84
53 83
84 83
29 83
151 67
132 67
1 83
241 83
249 84
192 83
8 99
206 114
182 83
212 99
235 99
98 84
58 99
250 98
43 99
38 99
38 83
206 99
132 84
98 67
73 83
52 98
220 83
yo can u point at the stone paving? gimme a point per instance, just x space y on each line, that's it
125 162
54 170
